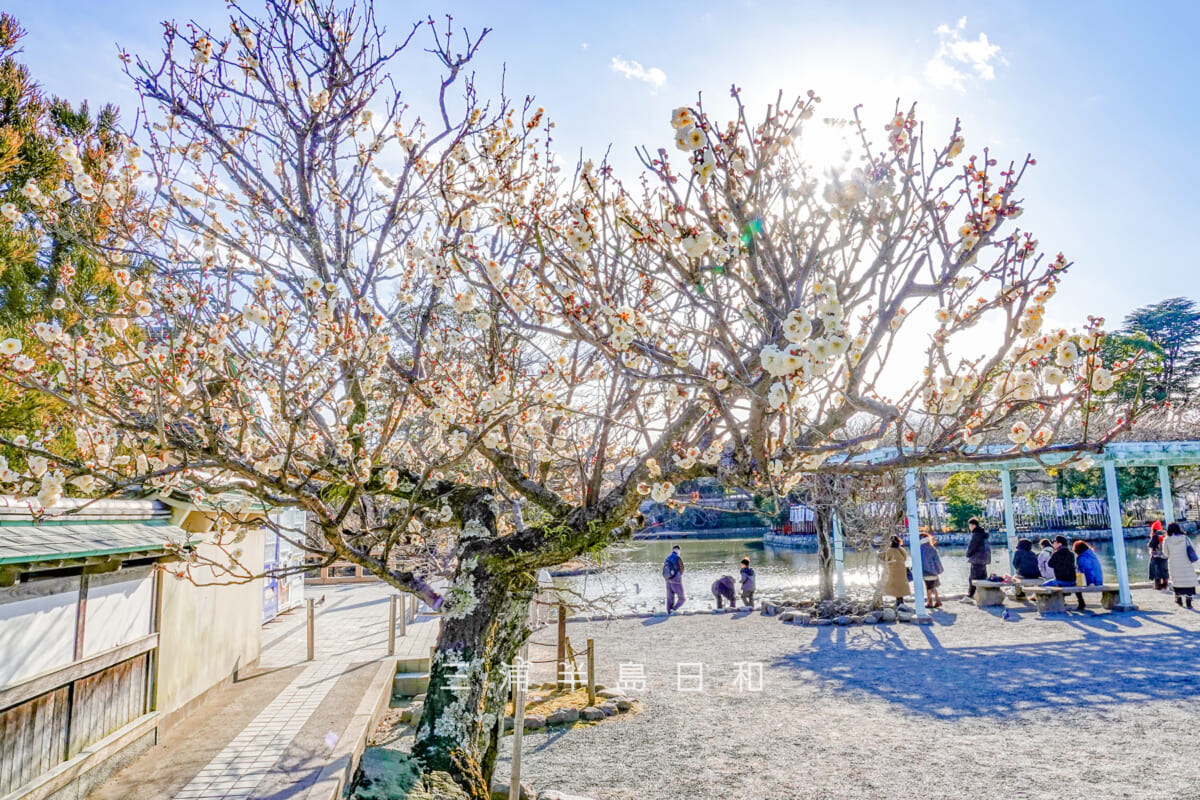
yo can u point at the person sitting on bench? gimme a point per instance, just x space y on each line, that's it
1088 563
1025 561
1063 564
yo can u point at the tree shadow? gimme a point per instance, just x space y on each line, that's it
1004 681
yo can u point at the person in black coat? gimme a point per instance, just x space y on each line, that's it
979 554
1025 561
1063 564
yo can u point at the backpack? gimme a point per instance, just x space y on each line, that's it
670 570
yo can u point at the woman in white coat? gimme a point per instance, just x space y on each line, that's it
1179 563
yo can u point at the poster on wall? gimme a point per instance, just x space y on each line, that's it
290 556
270 599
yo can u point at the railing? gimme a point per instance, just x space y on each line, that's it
50 718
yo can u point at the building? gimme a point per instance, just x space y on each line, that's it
102 647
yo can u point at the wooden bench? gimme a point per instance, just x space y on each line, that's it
991 593
1049 599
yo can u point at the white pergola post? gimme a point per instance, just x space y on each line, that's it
839 555
1168 497
1010 522
1124 600
914 543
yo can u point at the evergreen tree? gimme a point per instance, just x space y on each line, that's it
1173 325
49 264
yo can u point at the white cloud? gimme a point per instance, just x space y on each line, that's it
959 59
632 69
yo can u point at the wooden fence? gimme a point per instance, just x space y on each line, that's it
51 718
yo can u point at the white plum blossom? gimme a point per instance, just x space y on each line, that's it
1019 433
1067 354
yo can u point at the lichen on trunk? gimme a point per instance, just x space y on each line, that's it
484 625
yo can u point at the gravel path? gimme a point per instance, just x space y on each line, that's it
1087 706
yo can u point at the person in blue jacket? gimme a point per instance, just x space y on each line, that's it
673 573
1088 563
748 583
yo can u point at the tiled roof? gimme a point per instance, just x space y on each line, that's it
24 544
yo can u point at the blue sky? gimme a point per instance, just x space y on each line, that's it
1101 93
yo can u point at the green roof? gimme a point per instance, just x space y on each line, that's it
25 544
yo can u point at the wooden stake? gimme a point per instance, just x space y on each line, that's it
514 781
591 657
562 644
311 629
392 625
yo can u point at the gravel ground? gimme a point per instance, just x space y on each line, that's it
1083 706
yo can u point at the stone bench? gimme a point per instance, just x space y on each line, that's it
991 593
1049 599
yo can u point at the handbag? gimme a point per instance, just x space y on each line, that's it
908 574
1191 553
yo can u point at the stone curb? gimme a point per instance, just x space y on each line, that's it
612 706
343 761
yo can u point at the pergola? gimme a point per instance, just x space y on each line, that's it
1162 455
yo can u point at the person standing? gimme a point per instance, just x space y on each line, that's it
1180 564
931 566
748 583
673 573
979 555
1158 557
722 590
894 582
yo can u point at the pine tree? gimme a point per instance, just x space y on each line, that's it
49 267
1173 325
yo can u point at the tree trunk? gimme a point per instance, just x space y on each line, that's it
484 624
825 550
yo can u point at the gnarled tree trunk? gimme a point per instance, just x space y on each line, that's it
483 628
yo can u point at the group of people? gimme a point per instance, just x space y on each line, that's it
1173 561
1059 563
722 588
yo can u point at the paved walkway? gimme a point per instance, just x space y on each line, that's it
271 733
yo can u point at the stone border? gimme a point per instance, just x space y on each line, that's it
343 761
615 702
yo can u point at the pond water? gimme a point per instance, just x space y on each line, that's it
631 578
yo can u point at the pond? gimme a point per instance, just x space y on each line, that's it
631 579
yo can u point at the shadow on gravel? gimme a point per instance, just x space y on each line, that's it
1006 681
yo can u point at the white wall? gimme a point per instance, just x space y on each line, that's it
119 607
37 628
207 631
